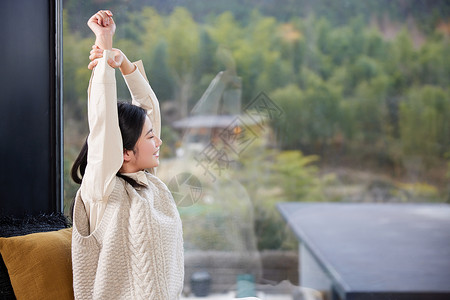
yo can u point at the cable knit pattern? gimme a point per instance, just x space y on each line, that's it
136 252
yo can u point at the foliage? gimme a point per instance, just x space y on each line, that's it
298 176
425 122
271 176
351 81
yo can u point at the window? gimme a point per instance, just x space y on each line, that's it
269 102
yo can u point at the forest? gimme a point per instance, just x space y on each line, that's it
363 85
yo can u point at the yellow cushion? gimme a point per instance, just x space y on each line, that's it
40 264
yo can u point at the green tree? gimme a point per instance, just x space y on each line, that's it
434 63
425 122
370 114
183 45
160 75
289 126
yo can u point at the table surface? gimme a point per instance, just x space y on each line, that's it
377 248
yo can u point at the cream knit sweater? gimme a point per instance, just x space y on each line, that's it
126 242
136 252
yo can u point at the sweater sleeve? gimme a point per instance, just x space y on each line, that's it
105 150
142 95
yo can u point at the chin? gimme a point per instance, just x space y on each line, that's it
154 165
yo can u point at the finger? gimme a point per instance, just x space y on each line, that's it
96 47
100 16
96 51
113 63
110 17
92 64
98 19
93 19
105 18
95 55
111 21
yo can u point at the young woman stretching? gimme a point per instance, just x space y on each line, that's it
127 236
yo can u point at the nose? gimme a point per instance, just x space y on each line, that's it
159 141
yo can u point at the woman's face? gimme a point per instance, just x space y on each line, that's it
147 147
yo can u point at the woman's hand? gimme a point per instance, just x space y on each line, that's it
120 60
103 26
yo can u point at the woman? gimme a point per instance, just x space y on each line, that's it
127 236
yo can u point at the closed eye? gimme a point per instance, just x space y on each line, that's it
150 131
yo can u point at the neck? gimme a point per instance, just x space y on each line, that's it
127 168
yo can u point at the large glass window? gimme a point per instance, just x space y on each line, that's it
266 102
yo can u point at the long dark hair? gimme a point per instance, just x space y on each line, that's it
131 122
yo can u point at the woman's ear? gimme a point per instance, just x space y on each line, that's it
127 155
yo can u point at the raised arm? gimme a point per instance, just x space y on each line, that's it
142 95
105 149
